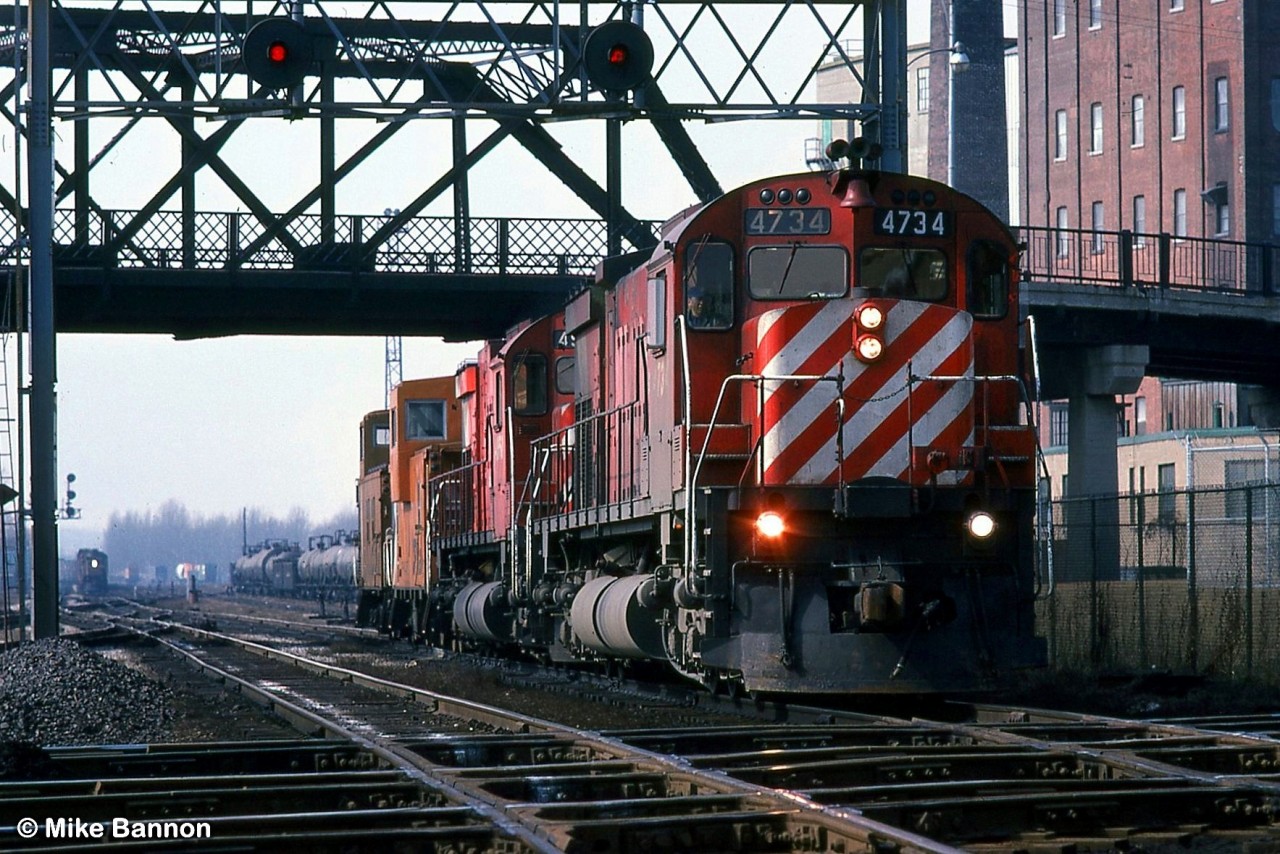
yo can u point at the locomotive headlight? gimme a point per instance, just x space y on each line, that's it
771 525
869 317
981 525
868 348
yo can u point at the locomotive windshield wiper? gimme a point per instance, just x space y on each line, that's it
911 276
786 271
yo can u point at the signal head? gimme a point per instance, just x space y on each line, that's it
618 55
277 53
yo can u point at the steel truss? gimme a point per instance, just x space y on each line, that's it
515 64
515 67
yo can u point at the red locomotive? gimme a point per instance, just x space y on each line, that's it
783 452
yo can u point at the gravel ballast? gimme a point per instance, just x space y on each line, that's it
56 692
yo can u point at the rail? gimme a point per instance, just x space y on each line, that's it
1135 259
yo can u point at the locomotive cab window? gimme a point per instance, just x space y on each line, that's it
798 271
424 419
529 385
564 374
708 285
988 290
904 273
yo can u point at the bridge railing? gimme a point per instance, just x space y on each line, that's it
217 241
1131 259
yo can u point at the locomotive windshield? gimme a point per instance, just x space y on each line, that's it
910 273
798 271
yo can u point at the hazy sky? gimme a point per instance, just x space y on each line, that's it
272 422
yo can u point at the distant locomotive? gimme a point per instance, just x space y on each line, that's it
785 451
91 572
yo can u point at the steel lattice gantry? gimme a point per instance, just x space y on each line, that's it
161 119
159 110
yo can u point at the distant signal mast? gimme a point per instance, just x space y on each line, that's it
394 366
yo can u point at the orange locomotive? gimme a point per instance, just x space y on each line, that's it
783 452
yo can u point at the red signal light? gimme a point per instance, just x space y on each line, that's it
278 52
618 54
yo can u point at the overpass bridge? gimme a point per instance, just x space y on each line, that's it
1203 308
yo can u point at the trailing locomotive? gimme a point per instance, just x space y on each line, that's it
782 452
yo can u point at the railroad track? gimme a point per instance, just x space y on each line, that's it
989 777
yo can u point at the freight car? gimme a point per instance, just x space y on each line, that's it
268 568
329 568
788 450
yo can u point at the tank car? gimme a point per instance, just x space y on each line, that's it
329 567
786 451
269 568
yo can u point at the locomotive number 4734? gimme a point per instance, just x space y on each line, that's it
916 223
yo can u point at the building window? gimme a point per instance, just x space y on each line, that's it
1167 509
1060 135
1236 475
1059 17
1275 209
1139 220
1179 112
1095 14
1275 103
1179 213
1139 416
1096 241
1139 121
922 90
1057 424
1175 5
1122 423
1222 219
1221 105
1095 137
1063 239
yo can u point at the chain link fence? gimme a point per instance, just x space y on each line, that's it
1178 580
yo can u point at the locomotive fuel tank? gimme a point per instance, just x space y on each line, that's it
608 616
480 611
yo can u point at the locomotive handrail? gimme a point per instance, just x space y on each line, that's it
555 445
1022 389
759 379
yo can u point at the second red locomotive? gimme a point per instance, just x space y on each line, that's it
783 452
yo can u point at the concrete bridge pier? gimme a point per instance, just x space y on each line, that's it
1091 378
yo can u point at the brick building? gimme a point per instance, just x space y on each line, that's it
1148 115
